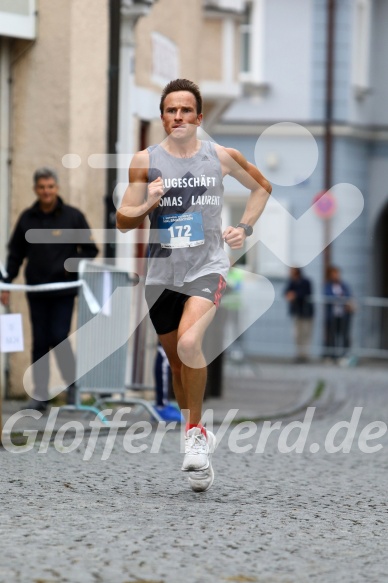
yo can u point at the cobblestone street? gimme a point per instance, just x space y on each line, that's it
269 517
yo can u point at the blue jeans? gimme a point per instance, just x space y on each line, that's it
338 336
50 321
162 372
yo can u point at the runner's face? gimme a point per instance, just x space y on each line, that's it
180 118
46 189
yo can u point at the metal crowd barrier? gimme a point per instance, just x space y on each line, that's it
272 334
102 339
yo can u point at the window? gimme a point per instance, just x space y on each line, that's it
245 41
165 59
252 39
361 52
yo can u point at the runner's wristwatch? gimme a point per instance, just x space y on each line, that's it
247 228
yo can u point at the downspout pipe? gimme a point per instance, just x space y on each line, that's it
329 109
113 111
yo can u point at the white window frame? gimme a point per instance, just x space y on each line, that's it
245 31
256 31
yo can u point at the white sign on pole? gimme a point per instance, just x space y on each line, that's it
11 333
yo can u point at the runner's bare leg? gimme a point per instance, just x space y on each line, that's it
184 351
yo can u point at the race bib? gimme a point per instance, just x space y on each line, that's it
179 231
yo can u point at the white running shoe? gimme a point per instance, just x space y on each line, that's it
201 480
197 450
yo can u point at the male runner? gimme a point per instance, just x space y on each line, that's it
179 185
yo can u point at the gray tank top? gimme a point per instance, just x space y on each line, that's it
186 232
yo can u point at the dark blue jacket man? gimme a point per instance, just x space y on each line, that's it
298 293
50 311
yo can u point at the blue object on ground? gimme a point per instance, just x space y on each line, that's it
170 413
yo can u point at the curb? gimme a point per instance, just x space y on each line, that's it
312 394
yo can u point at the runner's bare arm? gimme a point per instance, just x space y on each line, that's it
139 199
234 163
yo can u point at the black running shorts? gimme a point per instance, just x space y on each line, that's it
166 305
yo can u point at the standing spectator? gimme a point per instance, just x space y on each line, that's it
338 313
298 294
50 311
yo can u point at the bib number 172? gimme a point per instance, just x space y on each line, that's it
180 231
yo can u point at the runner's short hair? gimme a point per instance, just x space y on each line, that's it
45 173
182 85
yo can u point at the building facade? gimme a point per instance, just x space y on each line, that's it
261 66
53 100
292 75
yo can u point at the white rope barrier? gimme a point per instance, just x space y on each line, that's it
93 304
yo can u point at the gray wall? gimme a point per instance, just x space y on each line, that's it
351 250
361 161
